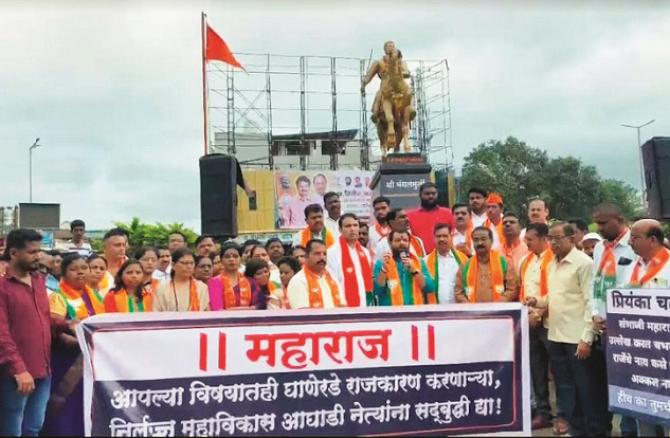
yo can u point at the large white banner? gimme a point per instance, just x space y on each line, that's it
430 369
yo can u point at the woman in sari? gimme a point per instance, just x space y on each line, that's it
204 268
96 278
231 290
73 301
183 293
129 295
259 272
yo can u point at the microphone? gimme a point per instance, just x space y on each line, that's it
403 254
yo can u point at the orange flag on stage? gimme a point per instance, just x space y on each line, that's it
218 50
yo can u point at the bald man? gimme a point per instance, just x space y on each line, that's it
651 268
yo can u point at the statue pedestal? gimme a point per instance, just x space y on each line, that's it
399 177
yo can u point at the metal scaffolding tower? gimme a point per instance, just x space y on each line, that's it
315 100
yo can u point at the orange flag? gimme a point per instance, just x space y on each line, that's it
217 49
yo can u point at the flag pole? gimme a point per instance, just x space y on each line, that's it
203 34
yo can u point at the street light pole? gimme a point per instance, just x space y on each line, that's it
639 148
30 166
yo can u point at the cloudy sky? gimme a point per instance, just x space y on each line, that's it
114 89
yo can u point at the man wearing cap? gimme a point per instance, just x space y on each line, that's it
588 243
494 219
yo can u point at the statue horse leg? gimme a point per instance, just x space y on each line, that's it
407 112
388 115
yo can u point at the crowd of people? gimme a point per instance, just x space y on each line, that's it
475 252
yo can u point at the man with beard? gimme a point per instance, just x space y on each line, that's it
25 338
422 221
402 278
513 248
486 277
331 202
397 220
477 201
313 287
381 229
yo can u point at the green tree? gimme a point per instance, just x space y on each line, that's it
520 172
622 194
142 234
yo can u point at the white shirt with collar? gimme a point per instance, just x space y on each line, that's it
660 281
334 266
332 226
478 220
447 270
625 257
162 275
375 236
298 292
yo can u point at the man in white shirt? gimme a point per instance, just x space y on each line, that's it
538 213
78 244
650 270
462 234
477 199
162 272
570 335
533 284
350 263
331 202
398 221
443 264
380 229
613 258
314 287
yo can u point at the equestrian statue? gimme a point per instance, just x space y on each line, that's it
392 110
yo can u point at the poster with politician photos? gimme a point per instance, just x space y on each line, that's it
295 190
441 370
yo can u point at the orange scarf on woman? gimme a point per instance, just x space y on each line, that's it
471 270
547 257
394 284
121 302
193 299
351 292
314 289
306 235
229 298
80 312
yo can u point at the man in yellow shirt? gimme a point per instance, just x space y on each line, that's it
570 334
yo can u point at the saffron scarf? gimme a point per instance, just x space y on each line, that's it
434 266
547 257
394 284
382 232
306 235
81 304
351 292
416 244
657 263
498 271
121 302
229 298
193 299
606 274
152 286
314 289
498 230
